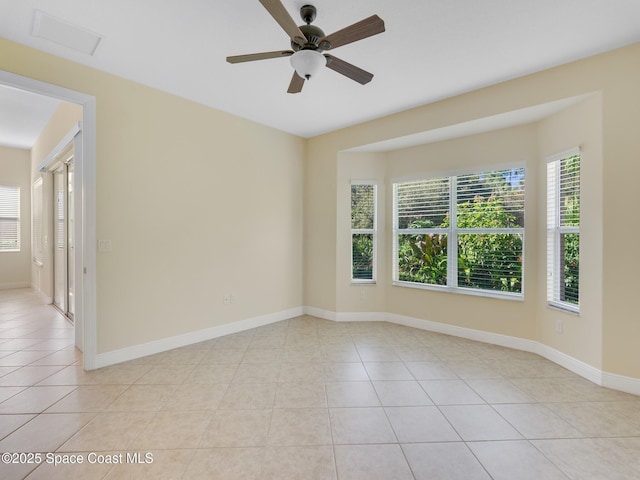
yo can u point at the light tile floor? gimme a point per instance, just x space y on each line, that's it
305 399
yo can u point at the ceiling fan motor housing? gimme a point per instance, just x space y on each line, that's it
313 35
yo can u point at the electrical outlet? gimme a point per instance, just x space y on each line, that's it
363 296
559 326
226 299
104 245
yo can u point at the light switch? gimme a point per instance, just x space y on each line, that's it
104 245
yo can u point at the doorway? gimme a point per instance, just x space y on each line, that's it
64 238
84 231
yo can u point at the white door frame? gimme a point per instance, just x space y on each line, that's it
85 191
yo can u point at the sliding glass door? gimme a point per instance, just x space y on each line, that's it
63 228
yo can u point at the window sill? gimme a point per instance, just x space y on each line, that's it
565 308
518 297
363 282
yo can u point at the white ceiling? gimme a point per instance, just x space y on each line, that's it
23 115
432 49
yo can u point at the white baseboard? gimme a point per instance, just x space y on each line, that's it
620 382
463 332
12 285
165 344
578 367
346 316
361 317
320 313
595 375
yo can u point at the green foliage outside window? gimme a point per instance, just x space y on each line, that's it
362 250
489 261
571 283
362 218
422 258
570 242
485 260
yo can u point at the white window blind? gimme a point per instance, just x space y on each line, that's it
563 230
37 245
363 231
422 231
463 232
9 218
490 230
422 204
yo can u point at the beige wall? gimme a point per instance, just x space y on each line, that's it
360 297
14 266
320 204
197 203
621 153
61 122
616 75
577 126
510 147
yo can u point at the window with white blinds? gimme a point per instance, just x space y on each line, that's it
9 218
363 232
563 230
37 245
464 233
422 231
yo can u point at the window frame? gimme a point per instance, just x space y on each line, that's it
554 230
366 231
397 231
17 219
452 232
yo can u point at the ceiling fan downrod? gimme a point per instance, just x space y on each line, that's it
308 13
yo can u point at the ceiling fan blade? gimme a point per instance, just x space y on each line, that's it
348 70
259 56
296 83
359 30
280 15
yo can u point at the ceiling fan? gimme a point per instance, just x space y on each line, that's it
308 43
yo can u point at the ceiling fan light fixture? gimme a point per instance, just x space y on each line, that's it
307 63
308 42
